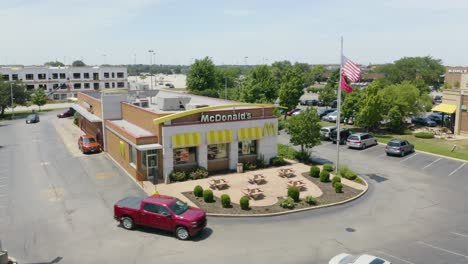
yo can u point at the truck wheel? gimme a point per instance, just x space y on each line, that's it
127 223
182 233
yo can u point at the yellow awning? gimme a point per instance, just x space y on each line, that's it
218 136
445 108
250 133
186 140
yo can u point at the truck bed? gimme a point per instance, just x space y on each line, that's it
130 202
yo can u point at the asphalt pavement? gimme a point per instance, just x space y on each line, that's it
56 207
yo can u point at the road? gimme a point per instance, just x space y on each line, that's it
58 208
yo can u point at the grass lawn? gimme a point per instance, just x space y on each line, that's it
8 115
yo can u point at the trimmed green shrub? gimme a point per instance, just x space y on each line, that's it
225 200
359 180
260 164
303 156
178 176
198 191
199 173
277 161
328 167
250 166
347 173
324 176
208 196
288 203
338 187
286 151
314 171
335 180
424 135
311 200
244 203
293 192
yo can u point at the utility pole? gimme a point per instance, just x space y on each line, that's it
225 87
151 63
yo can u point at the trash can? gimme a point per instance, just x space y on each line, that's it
240 168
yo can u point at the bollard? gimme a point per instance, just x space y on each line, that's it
453 148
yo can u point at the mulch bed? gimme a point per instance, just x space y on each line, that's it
329 196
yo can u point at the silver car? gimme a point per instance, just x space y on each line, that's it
331 117
361 140
325 132
399 147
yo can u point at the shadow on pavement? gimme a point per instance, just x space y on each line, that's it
204 234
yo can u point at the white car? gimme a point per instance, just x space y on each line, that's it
298 112
331 117
345 258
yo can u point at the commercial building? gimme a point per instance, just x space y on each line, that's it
152 133
62 82
456 77
455 103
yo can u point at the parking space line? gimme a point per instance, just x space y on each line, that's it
442 249
406 261
458 234
461 166
431 163
414 155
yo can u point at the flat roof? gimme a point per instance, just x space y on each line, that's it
131 128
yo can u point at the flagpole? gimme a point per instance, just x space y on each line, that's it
338 105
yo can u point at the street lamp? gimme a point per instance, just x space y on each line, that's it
151 52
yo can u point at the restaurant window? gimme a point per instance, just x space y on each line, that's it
144 158
218 151
132 155
248 147
185 155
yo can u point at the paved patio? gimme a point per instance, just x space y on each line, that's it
274 187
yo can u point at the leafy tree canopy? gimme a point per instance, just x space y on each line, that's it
202 75
78 63
304 129
54 64
20 96
260 86
291 88
39 97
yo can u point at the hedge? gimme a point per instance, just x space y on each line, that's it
293 192
338 187
198 191
311 200
424 135
314 171
288 203
244 203
277 161
208 196
335 180
328 167
225 200
324 176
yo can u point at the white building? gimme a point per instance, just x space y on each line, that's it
63 82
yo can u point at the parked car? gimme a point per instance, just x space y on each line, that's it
423 121
344 134
331 117
292 111
312 102
438 99
399 147
297 112
325 132
169 85
32 118
361 140
161 212
438 117
325 112
333 104
68 113
87 144
345 258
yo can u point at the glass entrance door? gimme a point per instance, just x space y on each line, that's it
150 161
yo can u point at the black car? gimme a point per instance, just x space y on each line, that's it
344 134
333 104
312 102
325 112
32 118
423 121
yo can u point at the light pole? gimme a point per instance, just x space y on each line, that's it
151 63
12 98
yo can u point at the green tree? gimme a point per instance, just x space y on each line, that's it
202 75
371 112
20 96
304 129
422 71
352 104
291 88
317 73
260 86
328 93
279 69
307 72
54 64
39 97
78 63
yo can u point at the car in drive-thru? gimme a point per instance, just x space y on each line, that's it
87 144
160 212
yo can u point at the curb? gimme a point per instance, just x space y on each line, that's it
297 210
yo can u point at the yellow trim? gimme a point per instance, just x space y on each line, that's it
218 136
250 133
163 119
269 129
446 108
186 140
122 148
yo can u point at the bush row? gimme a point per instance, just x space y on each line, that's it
424 135
178 176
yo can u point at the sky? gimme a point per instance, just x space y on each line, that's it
231 32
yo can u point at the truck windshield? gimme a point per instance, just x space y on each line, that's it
179 207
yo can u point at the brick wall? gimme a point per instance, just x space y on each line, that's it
113 148
85 101
140 117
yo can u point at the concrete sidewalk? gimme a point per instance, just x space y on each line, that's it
36 108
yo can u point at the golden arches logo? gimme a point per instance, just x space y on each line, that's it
269 129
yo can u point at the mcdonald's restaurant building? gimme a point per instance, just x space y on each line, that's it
151 136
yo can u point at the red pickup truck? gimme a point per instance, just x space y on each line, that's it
162 212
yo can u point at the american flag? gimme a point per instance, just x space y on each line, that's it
351 70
